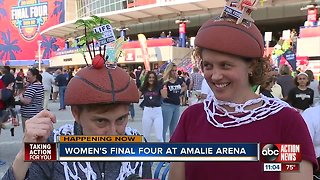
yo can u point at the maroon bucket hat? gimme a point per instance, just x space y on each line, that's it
226 36
101 86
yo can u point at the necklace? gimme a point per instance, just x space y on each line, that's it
240 115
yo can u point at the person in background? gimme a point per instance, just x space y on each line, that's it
21 73
169 34
6 84
6 70
70 75
7 97
285 80
196 80
266 87
314 85
55 88
312 118
301 97
20 82
97 112
131 74
47 82
185 97
132 111
137 75
152 113
32 98
180 77
276 89
62 82
12 72
172 89
236 113
163 35
66 74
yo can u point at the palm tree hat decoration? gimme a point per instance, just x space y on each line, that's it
90 39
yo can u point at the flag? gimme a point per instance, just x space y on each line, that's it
144 49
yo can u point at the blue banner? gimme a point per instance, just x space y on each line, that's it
157 152
290 56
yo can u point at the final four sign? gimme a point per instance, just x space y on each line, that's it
28 16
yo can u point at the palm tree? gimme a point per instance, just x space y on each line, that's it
89 35
39 22
8 48
2 10
48 43
59 9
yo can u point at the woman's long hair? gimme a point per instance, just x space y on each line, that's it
146 83
167 72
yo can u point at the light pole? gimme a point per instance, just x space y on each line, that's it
39 54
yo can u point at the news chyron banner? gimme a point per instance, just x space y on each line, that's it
273 157
132 148
281 157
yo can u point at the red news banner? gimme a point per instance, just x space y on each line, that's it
287 167
48 151
281 157
40 152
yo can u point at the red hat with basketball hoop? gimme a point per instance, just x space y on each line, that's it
233 32
101 84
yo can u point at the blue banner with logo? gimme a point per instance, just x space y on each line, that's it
158 152
290 56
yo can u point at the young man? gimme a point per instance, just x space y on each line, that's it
99 100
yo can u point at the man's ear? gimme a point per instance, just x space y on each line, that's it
76 114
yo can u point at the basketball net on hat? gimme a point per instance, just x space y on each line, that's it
239 10
240 116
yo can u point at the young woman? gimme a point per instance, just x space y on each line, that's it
266 87
32 98
103 111
232 60
172 89
152 113
301 97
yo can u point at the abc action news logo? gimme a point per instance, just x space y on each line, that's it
281 152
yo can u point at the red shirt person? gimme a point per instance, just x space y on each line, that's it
231 54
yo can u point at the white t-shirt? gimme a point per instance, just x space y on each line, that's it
205 89
312 119
314 86
47 81
276 91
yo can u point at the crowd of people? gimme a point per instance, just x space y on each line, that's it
28 94
161 100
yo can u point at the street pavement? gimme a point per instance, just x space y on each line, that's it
10 146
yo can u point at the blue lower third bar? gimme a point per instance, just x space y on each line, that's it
157 152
